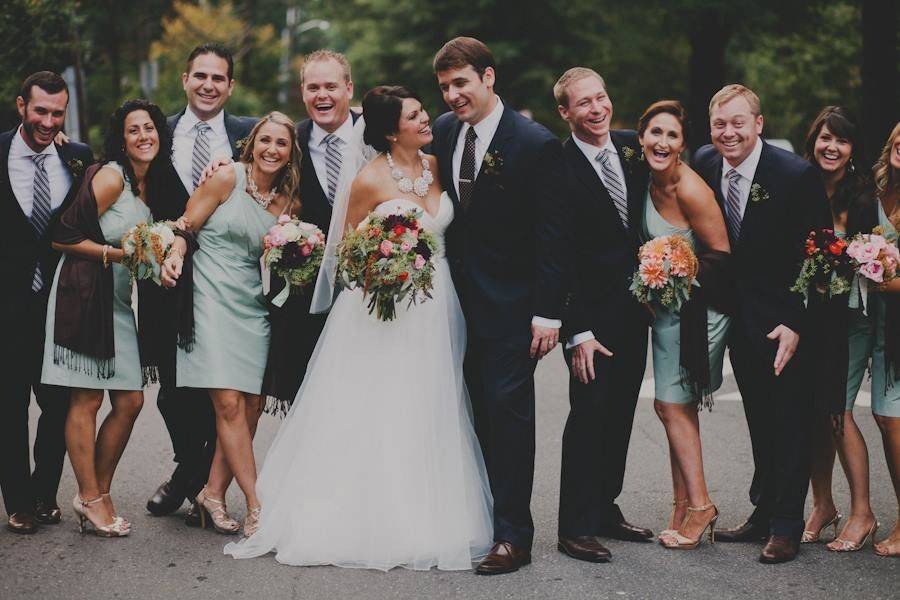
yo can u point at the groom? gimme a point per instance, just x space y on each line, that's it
506 250
771 199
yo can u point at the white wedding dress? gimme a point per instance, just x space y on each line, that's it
377 464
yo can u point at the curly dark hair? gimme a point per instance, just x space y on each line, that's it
382 107
114 148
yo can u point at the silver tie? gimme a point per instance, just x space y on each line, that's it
733 206
333 161
200 158
614 186
40 211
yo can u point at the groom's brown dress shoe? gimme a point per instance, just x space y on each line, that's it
626 532
21 522
584 547
47 513
748 532
779 549
503 558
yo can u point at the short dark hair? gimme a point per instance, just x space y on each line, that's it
114 149
669 107
382 107
212 48
48 81
462 51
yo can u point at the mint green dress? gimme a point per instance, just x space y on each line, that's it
867 339
666 327
231 326
127 211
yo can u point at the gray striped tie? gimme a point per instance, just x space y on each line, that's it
40 211
733 206
614 186
200 159
333 162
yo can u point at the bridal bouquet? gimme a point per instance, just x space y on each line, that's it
873 257
666 272
146 247
390 258
293 251
826 265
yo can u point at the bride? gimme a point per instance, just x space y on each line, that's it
377 464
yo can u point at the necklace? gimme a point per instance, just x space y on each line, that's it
264 200
420 186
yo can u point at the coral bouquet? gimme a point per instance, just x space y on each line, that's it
666 272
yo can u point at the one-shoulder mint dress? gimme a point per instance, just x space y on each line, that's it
127 211
231 326
666 327
867 339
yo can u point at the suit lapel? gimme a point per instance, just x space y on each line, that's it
306 163
445 160
499 145
6 185
232 137
760 178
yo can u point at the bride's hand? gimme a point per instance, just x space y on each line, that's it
171 268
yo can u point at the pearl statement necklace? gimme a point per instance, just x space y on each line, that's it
264 200
420 186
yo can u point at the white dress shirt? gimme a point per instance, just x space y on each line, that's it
21 174
317 149
484 134
746 170
591 152
183 143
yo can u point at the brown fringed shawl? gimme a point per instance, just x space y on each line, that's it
83 322
714 292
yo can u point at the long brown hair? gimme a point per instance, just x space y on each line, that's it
287 181
885 178
841 124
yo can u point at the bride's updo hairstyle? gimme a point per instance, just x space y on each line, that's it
671 107
382 107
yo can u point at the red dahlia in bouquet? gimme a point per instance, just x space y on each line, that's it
293 251
827 268
391 258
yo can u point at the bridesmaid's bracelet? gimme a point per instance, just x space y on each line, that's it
105 256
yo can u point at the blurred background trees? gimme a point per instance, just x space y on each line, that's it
798 55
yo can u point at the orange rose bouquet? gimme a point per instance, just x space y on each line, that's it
666 273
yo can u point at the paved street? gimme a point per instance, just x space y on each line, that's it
164 559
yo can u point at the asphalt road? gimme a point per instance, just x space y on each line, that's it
164 559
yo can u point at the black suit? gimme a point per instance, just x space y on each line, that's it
766 259
23 317
187 412
506 253
595 442
292 324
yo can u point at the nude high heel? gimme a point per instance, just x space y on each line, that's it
681 542
811 537
117 528
212 512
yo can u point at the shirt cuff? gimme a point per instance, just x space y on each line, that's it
579 339
543 322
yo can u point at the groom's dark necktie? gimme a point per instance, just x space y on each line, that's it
40 211
467 170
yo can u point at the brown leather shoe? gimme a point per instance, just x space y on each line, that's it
779 549
503 558
21 522
626 532
584 547
748 532
47 513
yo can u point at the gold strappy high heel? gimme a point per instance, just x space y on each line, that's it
212 511
839 545
251 522
811 537
124 520
672 529
678 541
117 528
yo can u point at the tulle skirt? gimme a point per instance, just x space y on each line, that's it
377 464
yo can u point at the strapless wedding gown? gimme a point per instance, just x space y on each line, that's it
377 464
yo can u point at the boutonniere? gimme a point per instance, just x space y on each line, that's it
241 143
493 163
758 193
76 167
632 157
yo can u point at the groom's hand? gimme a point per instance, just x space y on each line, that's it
543 340
583 359
787 345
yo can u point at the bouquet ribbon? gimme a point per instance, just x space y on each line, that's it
282 296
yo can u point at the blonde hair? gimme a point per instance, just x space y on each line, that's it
287 181
323 55
732 91
561 88
885 177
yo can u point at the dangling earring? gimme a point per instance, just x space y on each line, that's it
851 168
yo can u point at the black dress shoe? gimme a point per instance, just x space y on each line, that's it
167 499
21 522
47 513
748 532
584 547
192 517
626 532
779 549
503 558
